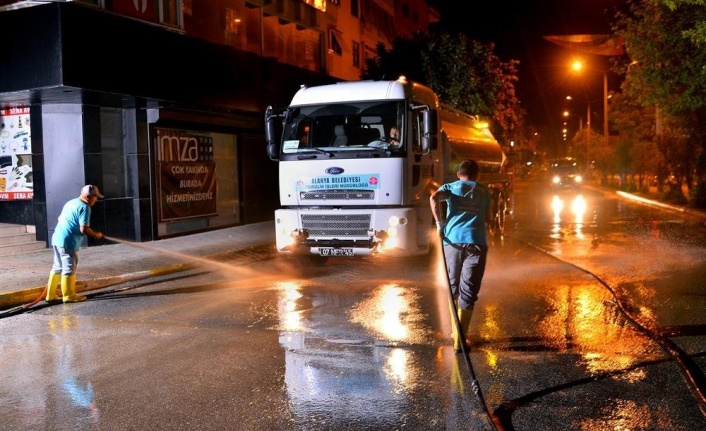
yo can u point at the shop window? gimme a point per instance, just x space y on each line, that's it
205 195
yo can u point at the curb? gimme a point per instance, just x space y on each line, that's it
25 296
654 203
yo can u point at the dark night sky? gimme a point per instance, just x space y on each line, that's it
516 28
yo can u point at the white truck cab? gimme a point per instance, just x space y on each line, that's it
349 188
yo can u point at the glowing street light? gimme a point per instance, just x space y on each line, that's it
577 66
588 114
595 44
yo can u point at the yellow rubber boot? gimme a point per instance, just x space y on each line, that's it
464 316
68 289
454 332
52 284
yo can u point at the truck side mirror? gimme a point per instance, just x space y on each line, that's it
430 129
271 133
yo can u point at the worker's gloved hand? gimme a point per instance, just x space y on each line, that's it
440 229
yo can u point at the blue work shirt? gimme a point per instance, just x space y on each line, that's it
67 234
467 204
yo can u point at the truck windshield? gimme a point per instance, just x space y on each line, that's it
352 126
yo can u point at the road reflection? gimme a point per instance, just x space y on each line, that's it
575 205
332 371
584 318
59 368
70 360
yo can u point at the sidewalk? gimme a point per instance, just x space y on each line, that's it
24 275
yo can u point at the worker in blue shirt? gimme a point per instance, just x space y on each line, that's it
74 223
463 232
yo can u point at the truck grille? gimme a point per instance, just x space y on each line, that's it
323 195
336 225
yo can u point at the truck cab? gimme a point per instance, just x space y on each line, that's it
347 187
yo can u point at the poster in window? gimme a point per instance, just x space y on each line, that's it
188 185
16 181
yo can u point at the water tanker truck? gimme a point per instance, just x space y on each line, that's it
358 161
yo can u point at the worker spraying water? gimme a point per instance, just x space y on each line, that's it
74 223
462 230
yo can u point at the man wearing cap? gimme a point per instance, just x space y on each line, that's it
74 223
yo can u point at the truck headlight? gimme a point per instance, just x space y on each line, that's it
396 221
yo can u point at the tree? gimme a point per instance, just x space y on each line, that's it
657 45
664 40
697 34
464 73
509 113
637 139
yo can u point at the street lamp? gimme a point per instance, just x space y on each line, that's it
595 44
577 66
588 114
565 127
605 107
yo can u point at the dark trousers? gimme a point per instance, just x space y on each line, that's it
465 264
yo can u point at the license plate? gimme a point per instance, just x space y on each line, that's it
336 252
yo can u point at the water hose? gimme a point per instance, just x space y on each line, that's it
24 307
464 349
39 298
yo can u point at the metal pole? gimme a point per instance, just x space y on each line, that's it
605 107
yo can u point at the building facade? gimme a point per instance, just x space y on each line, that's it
161 102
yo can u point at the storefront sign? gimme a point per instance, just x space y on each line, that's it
187 175
187 190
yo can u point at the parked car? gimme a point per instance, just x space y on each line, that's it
564 173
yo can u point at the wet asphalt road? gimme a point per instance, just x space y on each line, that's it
584 323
